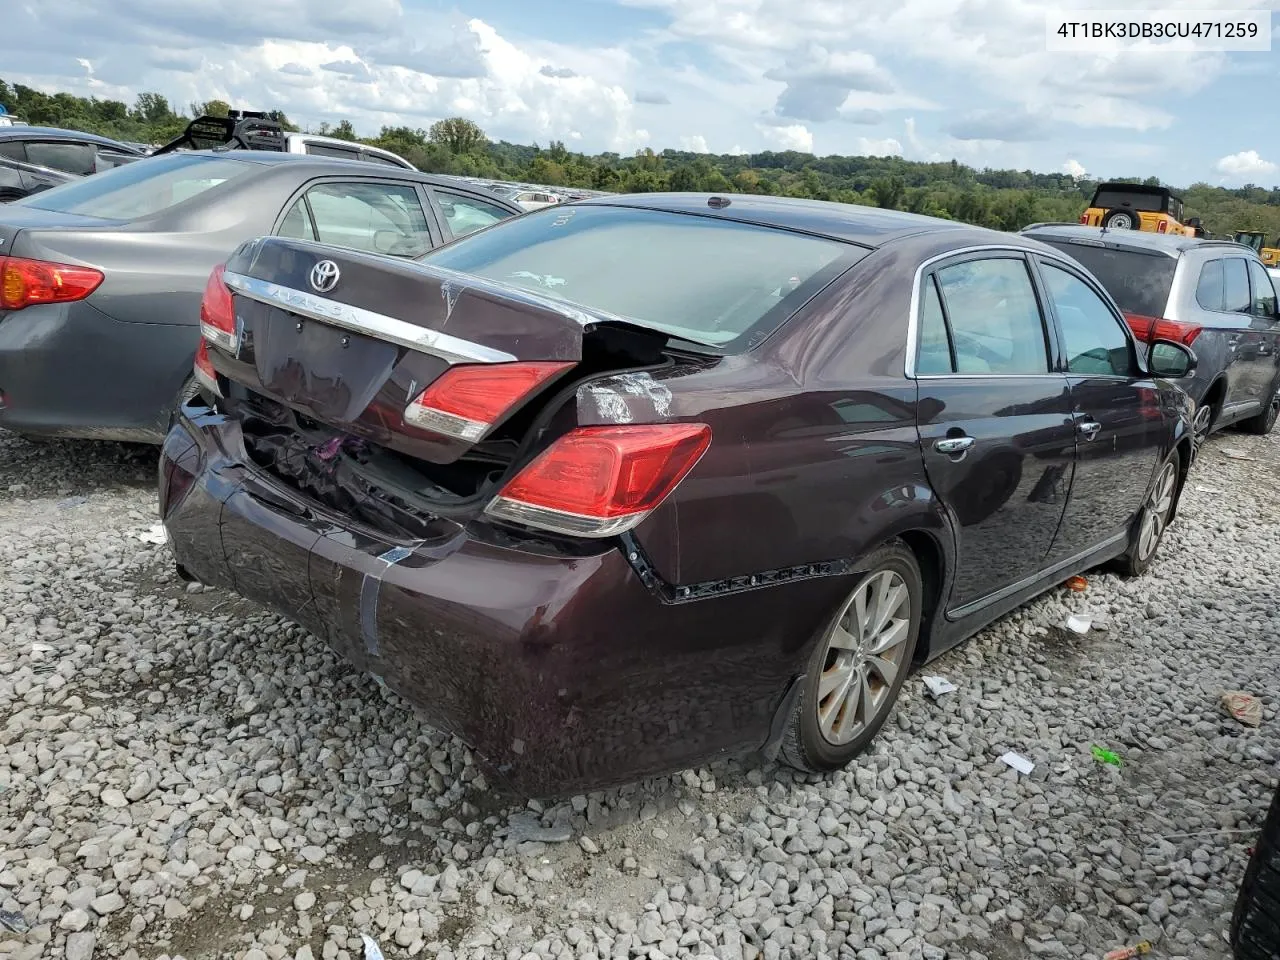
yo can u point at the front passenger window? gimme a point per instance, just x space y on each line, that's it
995 319
1264 294
1096 343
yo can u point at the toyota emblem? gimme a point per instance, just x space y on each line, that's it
324 276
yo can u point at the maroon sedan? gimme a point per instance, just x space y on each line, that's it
631 484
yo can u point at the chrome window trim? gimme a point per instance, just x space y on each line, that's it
913 319
358 320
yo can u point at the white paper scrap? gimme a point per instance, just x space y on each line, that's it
371 949
156 534
938 686
1079 625
1019 763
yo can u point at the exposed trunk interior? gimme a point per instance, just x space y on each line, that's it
401 495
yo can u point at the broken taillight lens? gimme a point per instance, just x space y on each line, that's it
602 481
1151 329
205 375
24 283
217 313
468 400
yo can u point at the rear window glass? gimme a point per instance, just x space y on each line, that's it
1151 203
142 188
1138 282
711 281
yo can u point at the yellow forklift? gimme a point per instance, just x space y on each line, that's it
1257 241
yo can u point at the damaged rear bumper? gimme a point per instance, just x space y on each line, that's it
563 671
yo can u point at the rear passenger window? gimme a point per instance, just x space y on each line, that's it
1236 286
995 320
1096 344
1209 291
67 156
297 223
935 349
13 150
374 217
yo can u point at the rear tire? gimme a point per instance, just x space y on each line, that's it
1255 923
858 665
1152 520
1261 424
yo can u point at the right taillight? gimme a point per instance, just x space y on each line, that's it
25 283
602 481
217 313
1150 329
204 372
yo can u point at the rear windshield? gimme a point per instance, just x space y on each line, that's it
142 188
1139 282
710 281
1142 202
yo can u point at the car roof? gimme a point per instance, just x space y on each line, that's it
869 227
1121 186
309 164
1172 245
57 133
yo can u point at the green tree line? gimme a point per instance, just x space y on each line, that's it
1000 199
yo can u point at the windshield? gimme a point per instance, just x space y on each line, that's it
1138 282
700 278
139 189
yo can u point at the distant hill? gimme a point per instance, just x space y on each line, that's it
1002 199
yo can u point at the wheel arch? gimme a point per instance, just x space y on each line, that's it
932 560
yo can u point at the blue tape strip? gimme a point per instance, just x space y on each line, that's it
369 589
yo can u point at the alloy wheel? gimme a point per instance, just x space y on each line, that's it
866 649
1200 426
1156 515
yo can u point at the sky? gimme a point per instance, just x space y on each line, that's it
923 79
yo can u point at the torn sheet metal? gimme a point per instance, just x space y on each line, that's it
370 587
624 398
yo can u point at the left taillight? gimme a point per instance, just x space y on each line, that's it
205 375
1150 329
467 400
217 313
602 481
25 283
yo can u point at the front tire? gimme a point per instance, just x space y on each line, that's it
1255 923
858 665
1152 520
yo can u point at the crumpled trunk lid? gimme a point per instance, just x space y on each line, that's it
349 339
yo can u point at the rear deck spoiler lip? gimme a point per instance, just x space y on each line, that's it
449 348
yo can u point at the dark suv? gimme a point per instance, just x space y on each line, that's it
1215 296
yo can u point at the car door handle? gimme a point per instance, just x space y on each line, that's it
1089 428
953 444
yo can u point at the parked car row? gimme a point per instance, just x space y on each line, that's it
602 527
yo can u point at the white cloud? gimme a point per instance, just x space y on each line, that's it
1245 165
887 147
794 136
1074 168
694 144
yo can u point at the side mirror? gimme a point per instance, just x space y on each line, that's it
1167 358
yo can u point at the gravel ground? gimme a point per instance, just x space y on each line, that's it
183 774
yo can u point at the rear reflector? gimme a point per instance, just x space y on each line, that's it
24 283
467 400
1150 329
205 375
217 313
602 481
